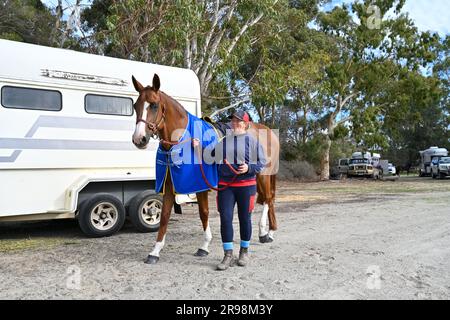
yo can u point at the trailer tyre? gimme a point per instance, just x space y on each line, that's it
145 211
101 215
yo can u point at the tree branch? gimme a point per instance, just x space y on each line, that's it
208 37
343 121
229 107
343 103
213 51
244 28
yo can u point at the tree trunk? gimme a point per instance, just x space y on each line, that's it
58 16
273 115
305 126
325 163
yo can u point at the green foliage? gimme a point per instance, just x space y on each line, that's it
312 151
415 118
341 132
341 148
25 20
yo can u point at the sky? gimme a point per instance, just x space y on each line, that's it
428 15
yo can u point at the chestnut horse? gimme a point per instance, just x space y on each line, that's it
158 114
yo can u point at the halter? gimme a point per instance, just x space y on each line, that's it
154 126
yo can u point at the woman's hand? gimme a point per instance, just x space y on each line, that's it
243 168
195 143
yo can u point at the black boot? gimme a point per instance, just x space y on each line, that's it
243 257
227 260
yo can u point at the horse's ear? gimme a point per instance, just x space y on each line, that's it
156 83
137 85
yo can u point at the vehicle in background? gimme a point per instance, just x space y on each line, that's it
391 169
426 157
342 168
385 171
365 164
360 165
440 167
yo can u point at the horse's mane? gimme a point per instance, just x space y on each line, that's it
178 107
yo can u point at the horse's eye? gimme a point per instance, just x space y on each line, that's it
154 105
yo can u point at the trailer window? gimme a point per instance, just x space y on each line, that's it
108 105
33 99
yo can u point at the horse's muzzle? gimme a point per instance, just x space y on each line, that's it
142 144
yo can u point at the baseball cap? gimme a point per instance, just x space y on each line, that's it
241 115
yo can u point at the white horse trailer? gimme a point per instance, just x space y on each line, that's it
66 122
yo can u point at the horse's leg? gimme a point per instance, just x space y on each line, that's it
262 190
168 200
202 198
266 194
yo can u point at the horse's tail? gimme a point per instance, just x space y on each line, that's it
272 219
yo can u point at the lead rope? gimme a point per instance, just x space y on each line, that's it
227 185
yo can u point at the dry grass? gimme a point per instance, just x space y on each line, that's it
300 198
370 187
13 245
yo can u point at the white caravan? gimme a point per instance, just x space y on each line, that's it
426 156
66 122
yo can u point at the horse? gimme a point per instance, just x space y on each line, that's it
161 116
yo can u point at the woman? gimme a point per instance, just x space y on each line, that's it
238 185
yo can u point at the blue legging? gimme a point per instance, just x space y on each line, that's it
245 199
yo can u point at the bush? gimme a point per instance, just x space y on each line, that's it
298 169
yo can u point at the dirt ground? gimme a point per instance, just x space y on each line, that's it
353 239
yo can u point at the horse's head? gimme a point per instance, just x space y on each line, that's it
149 112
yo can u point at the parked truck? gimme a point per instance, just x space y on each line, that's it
366 164
440 167
360 165
427 156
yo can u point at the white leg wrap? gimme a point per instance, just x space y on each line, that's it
207 239
263 221
158 247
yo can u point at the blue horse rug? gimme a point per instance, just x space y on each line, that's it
182 163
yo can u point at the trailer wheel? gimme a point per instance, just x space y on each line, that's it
145 211
101 215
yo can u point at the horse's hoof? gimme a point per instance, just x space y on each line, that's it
265 239
201 253
151 260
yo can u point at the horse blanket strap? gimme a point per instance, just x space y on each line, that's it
182 163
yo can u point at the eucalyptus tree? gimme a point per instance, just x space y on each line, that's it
208 36
371 48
